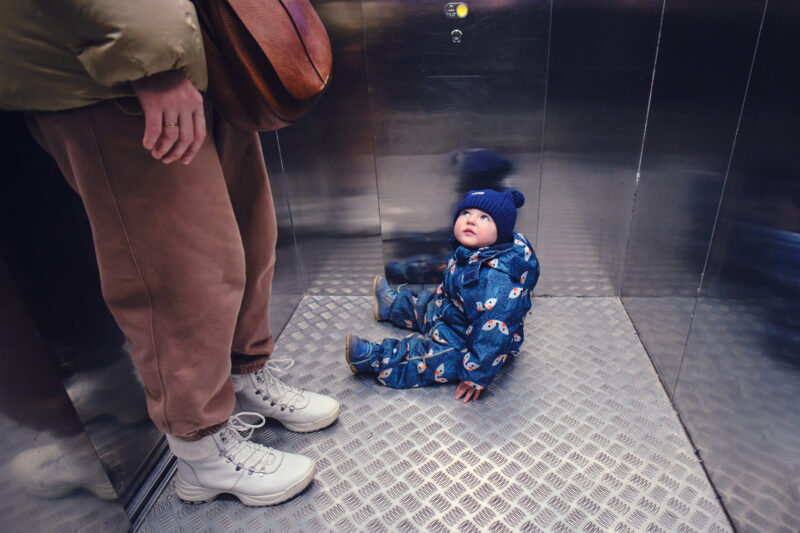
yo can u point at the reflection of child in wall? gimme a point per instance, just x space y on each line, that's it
473 322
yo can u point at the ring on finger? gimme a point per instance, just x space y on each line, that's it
168 124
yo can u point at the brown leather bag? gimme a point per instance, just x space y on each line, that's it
268 60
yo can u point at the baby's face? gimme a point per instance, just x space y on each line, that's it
475 228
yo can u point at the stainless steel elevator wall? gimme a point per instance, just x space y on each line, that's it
740 377
329 167
729 354
601 64
703 63
287 282
451 116
547 97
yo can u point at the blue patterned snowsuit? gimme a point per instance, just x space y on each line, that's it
468 327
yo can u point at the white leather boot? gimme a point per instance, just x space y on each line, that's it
298 410
227 462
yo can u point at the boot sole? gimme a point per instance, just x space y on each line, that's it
198 494
347 352
374 295
316 425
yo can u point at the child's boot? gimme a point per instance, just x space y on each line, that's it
384 298
358 353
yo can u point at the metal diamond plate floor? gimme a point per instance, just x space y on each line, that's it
577 434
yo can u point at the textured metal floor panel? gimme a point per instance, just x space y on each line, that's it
738 389
576 435
336 265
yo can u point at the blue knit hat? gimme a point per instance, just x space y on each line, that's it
501 206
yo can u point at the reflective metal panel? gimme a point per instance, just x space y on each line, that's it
52 478
287 286
704 59
601 64
457 105
330 168
739 383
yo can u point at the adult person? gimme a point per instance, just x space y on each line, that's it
183 226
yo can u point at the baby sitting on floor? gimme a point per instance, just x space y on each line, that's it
473 322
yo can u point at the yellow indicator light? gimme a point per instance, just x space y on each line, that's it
462 10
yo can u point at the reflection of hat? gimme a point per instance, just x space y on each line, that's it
501 206
481 163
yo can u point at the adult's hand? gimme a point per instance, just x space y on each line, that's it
175 122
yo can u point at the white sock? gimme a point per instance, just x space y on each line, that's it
192 450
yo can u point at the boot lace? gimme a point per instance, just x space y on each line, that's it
275 391
239 450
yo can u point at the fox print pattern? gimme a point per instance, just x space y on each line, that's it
468 326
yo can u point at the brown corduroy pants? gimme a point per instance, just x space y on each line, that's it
186 254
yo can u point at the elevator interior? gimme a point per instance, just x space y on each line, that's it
654 142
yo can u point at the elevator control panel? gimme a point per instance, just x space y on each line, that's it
456 10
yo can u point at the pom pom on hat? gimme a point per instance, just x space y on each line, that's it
501 206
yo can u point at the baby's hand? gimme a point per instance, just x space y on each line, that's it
467 391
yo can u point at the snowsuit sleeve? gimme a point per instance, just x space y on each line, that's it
120 41
495 310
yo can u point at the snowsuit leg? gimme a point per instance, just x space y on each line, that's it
413 311
415 361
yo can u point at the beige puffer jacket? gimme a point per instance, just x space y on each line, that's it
61 54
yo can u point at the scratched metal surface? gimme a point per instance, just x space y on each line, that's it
577 434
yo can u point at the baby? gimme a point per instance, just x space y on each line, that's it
468 328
